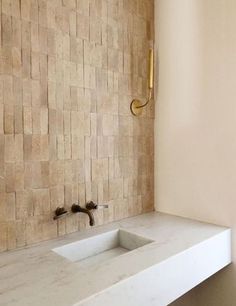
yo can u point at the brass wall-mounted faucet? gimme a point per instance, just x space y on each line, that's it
136 105
60 212
76 208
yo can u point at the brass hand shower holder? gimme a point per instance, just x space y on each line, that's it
136 105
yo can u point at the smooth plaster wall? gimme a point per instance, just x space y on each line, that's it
195 159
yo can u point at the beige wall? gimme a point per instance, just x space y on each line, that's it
196 123
68 72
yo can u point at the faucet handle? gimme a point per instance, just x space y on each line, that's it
91 205
60 212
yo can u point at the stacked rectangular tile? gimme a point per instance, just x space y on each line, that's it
68 72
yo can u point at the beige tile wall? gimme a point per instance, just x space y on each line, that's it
68 72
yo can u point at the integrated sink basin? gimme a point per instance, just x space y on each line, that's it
102 247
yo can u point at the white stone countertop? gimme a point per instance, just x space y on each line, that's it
38 276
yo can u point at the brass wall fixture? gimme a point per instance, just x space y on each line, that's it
60 212
91 205
136 105
76 208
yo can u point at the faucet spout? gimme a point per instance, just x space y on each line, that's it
75 208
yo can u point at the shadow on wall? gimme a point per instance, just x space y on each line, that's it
212 290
